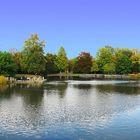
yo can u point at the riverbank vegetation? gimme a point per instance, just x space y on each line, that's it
3 80
32 60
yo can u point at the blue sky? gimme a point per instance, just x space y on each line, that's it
78 25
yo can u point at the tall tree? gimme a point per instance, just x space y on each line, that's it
33 60
94 68
73 65
109 68
50 64
135 62
16 56
7 65
105 56
84 62
124 51
123 64
62 60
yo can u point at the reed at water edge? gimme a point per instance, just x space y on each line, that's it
3 80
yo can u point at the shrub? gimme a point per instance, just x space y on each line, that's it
135 76
3 80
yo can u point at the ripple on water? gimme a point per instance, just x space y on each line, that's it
67 110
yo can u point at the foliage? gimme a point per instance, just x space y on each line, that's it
3 80
94 68
16 56
62 60
109 68
84 62
124 51
7 65
73 65
135 76
51 64
123 65
105 56
33 60
135 62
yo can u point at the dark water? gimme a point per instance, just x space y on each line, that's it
71 110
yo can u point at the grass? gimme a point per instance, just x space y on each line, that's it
21 75
135 76
64 74
3 80
25 75
130 76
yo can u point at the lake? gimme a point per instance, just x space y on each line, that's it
71 110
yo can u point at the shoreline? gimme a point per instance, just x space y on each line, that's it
98 76
36 79
25 79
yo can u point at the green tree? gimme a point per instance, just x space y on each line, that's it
84 62
16 56
33 60
62 60
50 64
123 64
135 62
105 56
135 67
94 68
124 51
73 65
7 65
109 68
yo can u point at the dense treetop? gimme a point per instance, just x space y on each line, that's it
32 60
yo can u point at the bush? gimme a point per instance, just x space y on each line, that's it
3 80
135 76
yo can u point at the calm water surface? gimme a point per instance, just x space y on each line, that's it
71 110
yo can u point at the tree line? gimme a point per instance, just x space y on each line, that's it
32 60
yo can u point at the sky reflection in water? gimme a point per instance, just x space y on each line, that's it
73 110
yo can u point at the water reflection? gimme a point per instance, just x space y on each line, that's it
70 110
57 87
129 88
3 88
84 87
6 91
31 95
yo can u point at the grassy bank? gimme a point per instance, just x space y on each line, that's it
29 79
64 74
22 79
135 76
3 80
98 76
26 75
